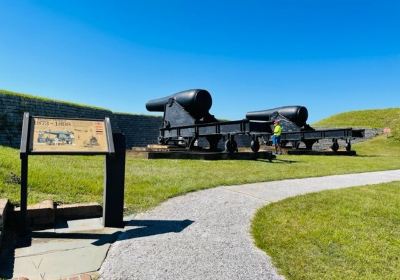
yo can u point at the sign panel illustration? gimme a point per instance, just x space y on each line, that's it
68 135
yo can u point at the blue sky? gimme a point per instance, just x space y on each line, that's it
331 56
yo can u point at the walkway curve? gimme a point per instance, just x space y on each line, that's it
206 234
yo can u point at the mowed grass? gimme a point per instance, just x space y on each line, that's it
352 233
342 234
378 118
72 179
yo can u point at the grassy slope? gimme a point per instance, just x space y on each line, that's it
380 118
39 98
32 97
342 234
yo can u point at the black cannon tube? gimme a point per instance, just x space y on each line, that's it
296 114
195 101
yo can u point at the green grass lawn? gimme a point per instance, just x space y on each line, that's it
149 182
379 118
342 234
352 233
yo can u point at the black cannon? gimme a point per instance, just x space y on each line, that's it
296 130
182 109
187 119
296 114
197 102
292 118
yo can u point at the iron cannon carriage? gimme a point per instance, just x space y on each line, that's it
187 120
297 131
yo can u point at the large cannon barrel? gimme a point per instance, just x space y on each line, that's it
197 102
296 114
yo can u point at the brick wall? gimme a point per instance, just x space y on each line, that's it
140 130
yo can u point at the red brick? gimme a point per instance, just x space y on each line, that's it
85 277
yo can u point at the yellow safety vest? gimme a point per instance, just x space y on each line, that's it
278 130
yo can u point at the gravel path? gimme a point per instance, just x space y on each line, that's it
205 234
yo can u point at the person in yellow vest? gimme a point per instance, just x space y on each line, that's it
276 138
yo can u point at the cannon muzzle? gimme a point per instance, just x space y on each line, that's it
296 114
197 102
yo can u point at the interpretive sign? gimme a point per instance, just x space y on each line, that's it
68 135
62 136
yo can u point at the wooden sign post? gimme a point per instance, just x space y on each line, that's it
58 136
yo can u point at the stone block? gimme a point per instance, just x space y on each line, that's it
4 205
41 215
4 208
79 211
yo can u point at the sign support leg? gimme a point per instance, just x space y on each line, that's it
114 184
24 193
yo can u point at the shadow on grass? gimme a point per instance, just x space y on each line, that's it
368 156
279 161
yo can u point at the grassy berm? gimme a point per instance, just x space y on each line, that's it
367 119
148 182
352 233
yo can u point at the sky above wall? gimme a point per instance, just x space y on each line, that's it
331 56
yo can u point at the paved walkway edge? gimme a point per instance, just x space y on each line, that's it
206 234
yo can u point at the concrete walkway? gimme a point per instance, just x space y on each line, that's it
205 235
74 248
